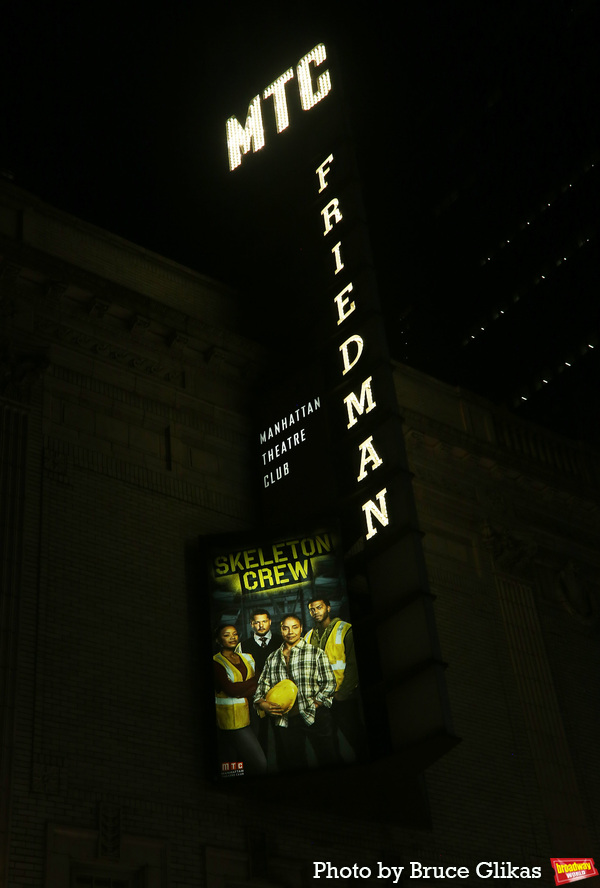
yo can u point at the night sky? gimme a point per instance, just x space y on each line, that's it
468 120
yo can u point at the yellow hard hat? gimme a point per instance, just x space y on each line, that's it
283 694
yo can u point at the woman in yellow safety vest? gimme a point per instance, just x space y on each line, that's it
235 682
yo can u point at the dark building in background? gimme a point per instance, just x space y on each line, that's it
499 224
127 394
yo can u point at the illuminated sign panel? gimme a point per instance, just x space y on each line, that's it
344 347
279 440
360 401
313 86
291 446
280 612
329 436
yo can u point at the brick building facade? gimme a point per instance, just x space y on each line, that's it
126 389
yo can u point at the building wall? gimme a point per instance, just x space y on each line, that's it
133 385
125 397
509 514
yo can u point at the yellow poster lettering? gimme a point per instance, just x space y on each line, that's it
235 561
261 558
299 569
265 575
278 553
280 577
248 558
221 564
250 581
323 544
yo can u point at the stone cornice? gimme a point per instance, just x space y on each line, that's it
568 466
86 312
186 411
33 224
451 483
175 317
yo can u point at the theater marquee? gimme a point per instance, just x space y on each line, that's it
329 437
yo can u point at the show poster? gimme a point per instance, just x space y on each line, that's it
284 666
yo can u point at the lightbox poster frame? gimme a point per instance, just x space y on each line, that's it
281 573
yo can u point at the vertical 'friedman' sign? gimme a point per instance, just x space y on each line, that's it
351 351
313 85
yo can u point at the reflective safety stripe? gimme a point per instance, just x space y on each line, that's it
335 649
233 712
229 670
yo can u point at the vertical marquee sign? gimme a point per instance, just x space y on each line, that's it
348 457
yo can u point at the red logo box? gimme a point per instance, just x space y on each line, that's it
572 869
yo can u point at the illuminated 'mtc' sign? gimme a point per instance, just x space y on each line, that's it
240 139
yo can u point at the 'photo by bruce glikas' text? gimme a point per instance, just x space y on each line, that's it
415 870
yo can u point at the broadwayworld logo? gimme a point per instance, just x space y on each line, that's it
572 869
